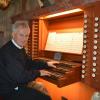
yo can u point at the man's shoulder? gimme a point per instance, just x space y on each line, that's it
5 47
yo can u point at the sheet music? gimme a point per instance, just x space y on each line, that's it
65 42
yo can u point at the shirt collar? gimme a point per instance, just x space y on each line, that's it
19 47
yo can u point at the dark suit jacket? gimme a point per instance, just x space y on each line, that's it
16 68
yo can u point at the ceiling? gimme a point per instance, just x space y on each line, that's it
45 3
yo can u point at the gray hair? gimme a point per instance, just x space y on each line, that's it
18 24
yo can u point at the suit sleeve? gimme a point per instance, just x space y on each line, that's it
36 64
16 72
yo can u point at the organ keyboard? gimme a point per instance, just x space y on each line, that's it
64 74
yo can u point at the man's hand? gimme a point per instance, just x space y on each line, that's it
51 64
44 73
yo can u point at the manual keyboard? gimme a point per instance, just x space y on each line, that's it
63 65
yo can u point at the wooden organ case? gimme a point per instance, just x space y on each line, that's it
90 72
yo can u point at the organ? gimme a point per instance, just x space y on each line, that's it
69 64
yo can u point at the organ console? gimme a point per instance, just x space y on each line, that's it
68 67
55 38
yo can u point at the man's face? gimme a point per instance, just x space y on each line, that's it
21 37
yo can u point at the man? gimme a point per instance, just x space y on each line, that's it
17 69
